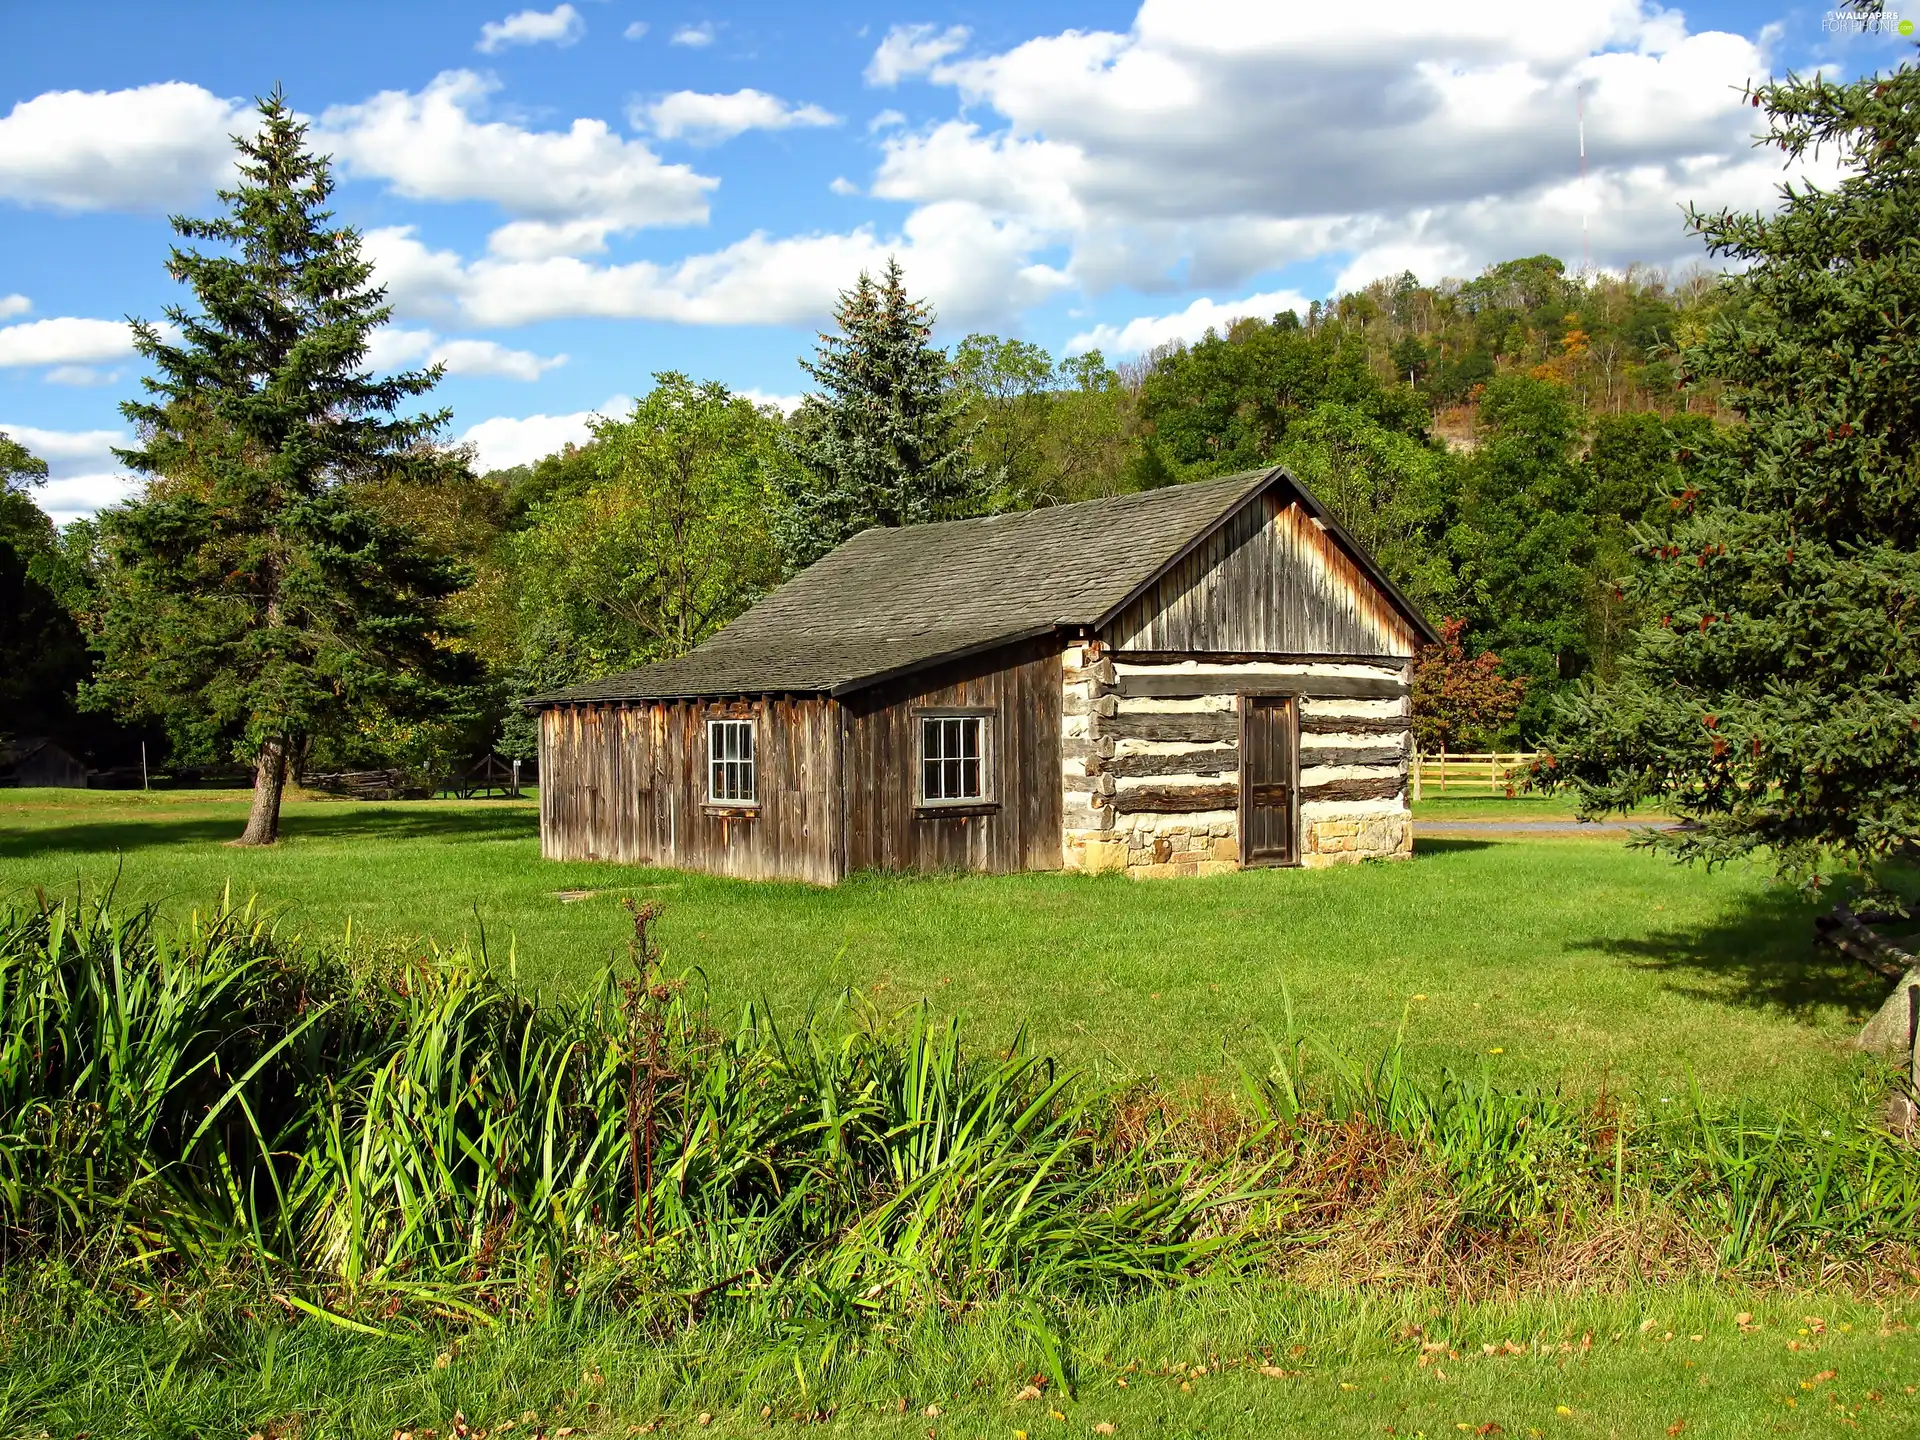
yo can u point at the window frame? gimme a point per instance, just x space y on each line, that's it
989 758
751 761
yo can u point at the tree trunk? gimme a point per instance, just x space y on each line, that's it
269 782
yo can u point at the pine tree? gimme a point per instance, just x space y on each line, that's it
884 442
252 593
1773 694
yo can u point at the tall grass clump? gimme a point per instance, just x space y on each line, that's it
1455 1179
215 1094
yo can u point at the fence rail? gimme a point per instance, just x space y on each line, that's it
1489 772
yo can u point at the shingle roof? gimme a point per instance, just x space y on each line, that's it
894 600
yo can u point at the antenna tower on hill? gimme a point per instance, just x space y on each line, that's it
1586 243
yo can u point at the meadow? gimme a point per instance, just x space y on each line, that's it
1535 1134
1550 959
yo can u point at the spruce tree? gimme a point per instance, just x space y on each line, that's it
1773 691
884 441
252 593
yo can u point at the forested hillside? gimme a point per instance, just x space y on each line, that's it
1494 441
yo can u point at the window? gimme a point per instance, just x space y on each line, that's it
952 759
730 762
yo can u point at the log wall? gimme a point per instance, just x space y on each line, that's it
629 783
1151 759
1019 828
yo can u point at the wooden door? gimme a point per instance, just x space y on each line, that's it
1269 780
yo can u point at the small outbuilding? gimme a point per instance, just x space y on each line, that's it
1176 682
38 763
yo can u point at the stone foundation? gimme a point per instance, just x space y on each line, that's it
1349 839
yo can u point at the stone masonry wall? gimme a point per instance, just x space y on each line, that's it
1151 780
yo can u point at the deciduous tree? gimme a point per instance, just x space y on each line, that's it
1460 699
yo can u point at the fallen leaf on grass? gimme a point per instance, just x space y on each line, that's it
1028 1392
1273 1372
1491 1429
932 1412
1676 1427
1105 1427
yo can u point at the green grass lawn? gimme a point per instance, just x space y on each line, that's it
1686 1362
1550 960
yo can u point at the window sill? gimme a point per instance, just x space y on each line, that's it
730 812
955 810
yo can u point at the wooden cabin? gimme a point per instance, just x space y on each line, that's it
1176 682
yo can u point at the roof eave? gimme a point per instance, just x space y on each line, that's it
945 657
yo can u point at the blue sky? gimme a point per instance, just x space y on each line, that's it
565 198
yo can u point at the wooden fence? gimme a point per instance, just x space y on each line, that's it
1469 773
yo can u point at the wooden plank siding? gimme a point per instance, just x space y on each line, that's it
1020 829
628 782
1268 582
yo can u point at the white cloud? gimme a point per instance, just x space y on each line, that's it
913 50
83 473
885 120
840 185
419 281
1398 257
563 25
392 347
636 31
1216 140
147 148
490 357
567 189
708 119
503 442
974 268
12 305
65 341
1187 325
80 376
785 404
694 37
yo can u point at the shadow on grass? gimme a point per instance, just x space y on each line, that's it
419 821
1760 955
1427 845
